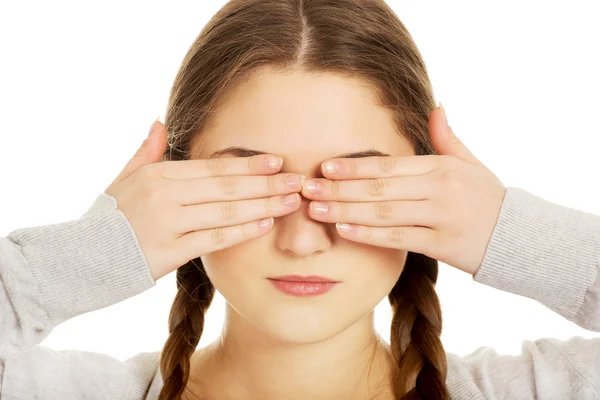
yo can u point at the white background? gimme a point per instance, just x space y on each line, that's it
81 82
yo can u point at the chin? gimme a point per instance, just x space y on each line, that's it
304 321
301 325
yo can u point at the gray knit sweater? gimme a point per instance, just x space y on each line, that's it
52 273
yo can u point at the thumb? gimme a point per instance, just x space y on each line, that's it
150 152
445 141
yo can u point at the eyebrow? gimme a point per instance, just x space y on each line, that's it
244 152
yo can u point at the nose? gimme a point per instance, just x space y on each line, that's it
298 235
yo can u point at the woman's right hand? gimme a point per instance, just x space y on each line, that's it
181 210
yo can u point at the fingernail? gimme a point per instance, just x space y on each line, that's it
294 181
311 185
290 200
274 162
445 119
330 167
319 208
344 227
265 223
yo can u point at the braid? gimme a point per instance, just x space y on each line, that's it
415 332
186 323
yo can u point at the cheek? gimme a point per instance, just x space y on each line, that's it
227 270
389 270
375 269
373 277
238 275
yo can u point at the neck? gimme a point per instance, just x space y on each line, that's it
247 364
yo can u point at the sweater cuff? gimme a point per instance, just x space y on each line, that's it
542 251
85 264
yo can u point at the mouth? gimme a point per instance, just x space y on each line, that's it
298 278
296 285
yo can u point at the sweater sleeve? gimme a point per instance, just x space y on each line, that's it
551 254
52 273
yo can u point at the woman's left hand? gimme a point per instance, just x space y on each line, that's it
444 206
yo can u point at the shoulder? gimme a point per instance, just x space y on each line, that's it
148 366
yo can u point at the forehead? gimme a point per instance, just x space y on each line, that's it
304 117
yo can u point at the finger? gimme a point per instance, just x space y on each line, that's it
410 238
232 187
202 168
461 151
379 167
444 139
406 187
380 213
229 213
149 152
198 243
437 125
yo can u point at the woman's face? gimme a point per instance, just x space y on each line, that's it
306 119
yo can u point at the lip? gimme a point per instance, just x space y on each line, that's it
303 286
299 278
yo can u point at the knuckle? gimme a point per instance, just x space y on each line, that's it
268 203
452 179
445 161
149 191
148 172
436 161
367 233
228 210
217 236
383 210
375 186
251 164
396 235
387 163
216 166
351 164
272 182
335 188
244 231
342 209
228 184
150 169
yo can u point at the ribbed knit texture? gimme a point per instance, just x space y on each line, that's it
545 252
52 273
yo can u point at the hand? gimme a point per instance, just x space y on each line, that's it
180 210
444 206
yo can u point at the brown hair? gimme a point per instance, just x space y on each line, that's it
357 38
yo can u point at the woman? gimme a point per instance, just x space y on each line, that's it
309 81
